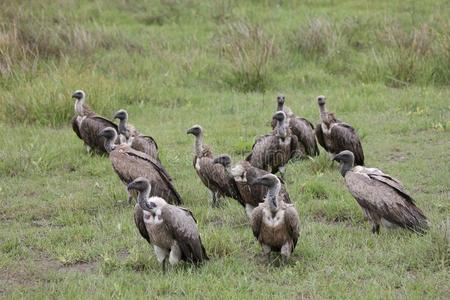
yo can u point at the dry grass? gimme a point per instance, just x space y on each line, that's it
249 51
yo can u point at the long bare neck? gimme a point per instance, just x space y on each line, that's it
271 198
123 127
323 113
79 109
110 145
281 128
280 106
143 196
199 144
345 167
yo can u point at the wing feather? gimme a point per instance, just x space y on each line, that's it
292 222
344 137
182 225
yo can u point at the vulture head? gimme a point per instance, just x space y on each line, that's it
321 100
346 160
224 160
268 180
273 184
121 115
280 101
140 184
279 116
108 133
195 130
78 94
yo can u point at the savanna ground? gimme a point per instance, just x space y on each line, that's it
65 231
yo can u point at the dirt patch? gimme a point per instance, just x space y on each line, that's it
82 267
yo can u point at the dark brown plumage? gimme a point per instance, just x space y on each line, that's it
335 136
170 229
383 198
130 164
242 173
300 127
213 176
87 124
275 224
129 134
272 151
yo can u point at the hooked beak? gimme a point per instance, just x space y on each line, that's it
147 206
336 158
189 131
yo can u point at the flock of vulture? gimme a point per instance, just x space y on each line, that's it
172 229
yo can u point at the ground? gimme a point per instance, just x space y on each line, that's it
66 230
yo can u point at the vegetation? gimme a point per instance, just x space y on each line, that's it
65 229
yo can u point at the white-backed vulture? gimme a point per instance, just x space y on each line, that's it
242 173
213 176
130 164
300 127
336 136
170 229
87 124
272 151
275 224
137 141
382 198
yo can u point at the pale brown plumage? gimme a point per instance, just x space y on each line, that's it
300 127
275 224
213 176
134 138
170 229
130 164
383 198
242 173
272 151
87 124
336 136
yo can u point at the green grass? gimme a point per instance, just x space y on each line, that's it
64 230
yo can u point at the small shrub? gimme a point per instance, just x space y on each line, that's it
317 38
249 51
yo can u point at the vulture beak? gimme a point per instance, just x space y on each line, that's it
148 206
130 186
336 158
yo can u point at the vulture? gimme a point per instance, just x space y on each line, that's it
87 124
172 230
275 224
130 164
382 198
300 127
213 176
132 137
243 173
336 136
272 151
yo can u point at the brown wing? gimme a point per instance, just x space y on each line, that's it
90 128
292 223
145 144
224 182
183 228
130 164
385 201
256 220
304 131
139 221
75 125
258 156
319 136
344 137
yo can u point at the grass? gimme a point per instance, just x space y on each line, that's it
64 230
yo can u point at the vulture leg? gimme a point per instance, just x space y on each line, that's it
130 196
164 265
266 253
215 199
376 228
285 253
249 209
282 170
